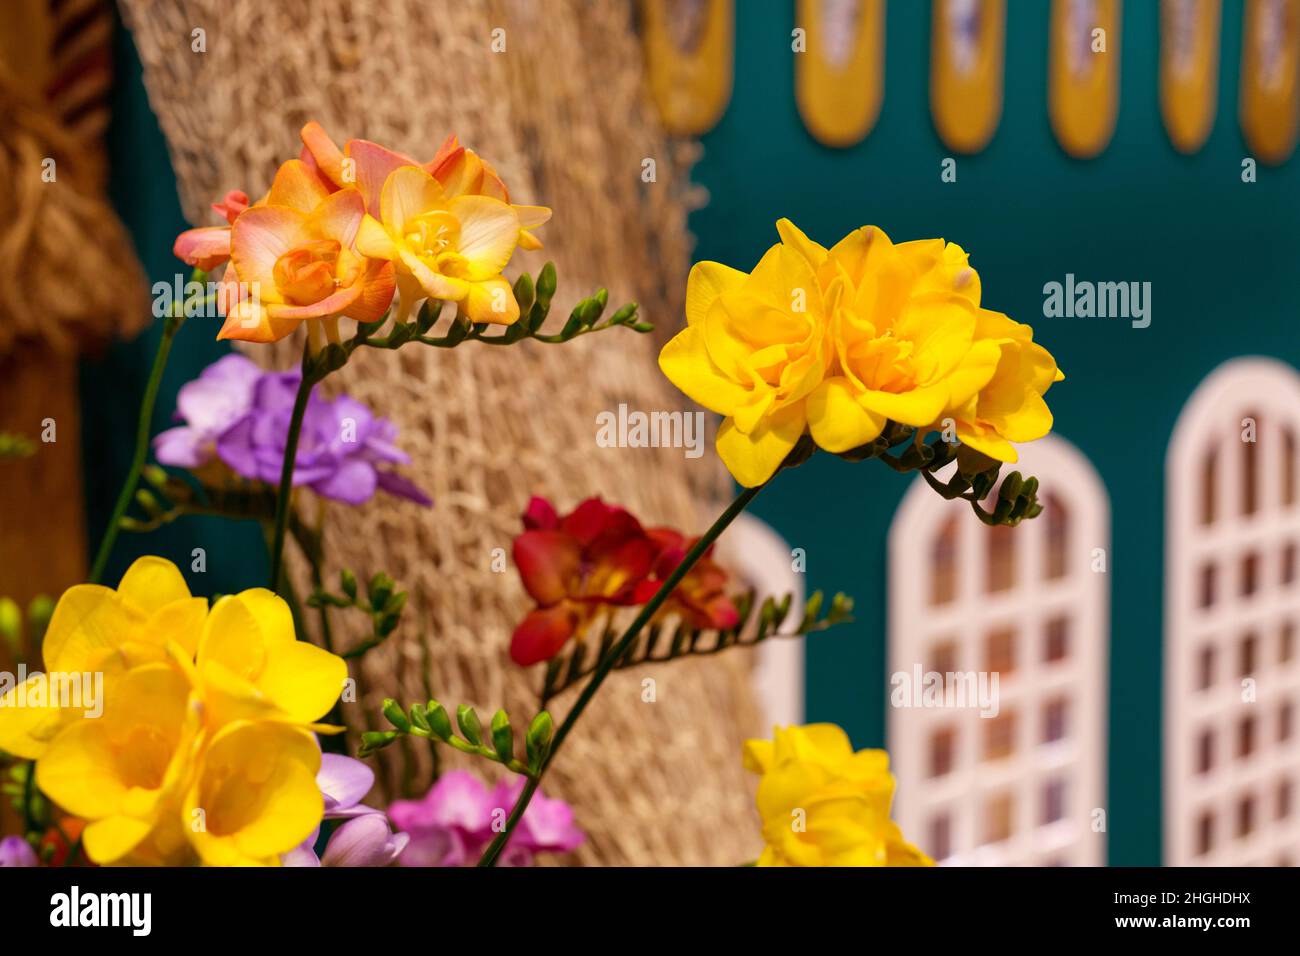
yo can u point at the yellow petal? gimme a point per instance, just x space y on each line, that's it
754 458
489 232
151 583
88 622
408 192
794 237
374 241
492 300
303 680
836 420
706 282
112 838
26 731
79 772
686 363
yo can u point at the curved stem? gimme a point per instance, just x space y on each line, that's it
171 325
282 507
607 663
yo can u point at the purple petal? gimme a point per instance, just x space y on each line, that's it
395 484
179 447
343 781
15 851
364 841
354 483
302 855
235 447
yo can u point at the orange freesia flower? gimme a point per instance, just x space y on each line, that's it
460 172
297 251
447 225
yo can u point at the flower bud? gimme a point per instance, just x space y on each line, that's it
468 721
503 736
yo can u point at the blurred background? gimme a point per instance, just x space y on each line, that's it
1162 158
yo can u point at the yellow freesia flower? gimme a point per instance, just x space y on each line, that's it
121 773
96 630
255 795
203 750
250 665
838 342
450 247
754 348
822 804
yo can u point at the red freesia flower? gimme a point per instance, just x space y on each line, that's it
701 597
599 556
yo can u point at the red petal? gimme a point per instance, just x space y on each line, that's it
548 562
540 635
587 521
541 515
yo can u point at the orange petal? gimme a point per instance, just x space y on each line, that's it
297 187
377 289
326 155
338 216
373 165
260 237
205 248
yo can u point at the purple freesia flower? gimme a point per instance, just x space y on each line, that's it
240 415
366 839
453 823
15 851
220 396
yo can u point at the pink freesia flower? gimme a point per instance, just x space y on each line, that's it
456 820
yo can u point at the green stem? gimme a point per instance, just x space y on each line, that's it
607 663
286 479
171 325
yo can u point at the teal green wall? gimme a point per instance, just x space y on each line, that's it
1220 255
143 188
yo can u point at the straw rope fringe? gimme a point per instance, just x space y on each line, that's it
563 116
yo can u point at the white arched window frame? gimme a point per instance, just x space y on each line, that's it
1232 620
1025 787
763 560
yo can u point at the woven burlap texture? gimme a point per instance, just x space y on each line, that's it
562 113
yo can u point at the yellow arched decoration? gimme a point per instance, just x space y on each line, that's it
1083 81
1269 55
1189 70
967 42
839 74
689 48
